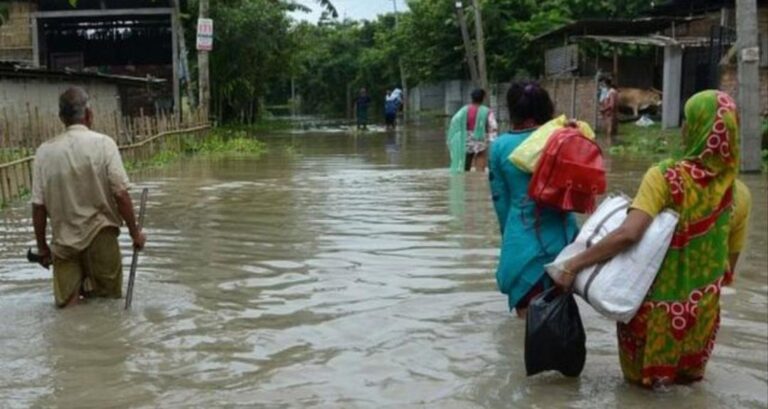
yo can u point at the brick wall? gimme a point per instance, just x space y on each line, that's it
574 97
729 83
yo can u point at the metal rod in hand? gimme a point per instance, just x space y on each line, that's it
135 260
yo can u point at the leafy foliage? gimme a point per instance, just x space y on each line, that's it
334 55
335 58
259 49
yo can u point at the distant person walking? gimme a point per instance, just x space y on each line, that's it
472 129
530 237
362 103
391 106
397 94
609 108
80 184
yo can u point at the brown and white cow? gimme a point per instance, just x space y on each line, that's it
637 99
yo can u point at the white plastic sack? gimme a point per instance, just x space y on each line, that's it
644 121
617 288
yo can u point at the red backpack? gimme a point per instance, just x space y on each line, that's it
570 174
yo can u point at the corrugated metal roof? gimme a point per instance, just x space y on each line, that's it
654 40
16 70
615 27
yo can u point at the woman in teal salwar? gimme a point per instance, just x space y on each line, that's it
531 237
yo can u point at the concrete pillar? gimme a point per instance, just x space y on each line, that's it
673 70
415 97
35 42
749 84
454 98
573 98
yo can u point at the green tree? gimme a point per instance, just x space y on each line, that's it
430 42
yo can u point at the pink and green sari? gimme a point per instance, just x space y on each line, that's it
671 338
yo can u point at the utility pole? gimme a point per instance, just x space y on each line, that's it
183 52
402 69
293 96
749 84
470 54
482 72
203 69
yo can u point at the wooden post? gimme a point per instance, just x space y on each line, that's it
469 52
403 79
35 42
183 52
749 84
480 38
596 105
573 97
5 195
175 40
293 96
350 112
204 68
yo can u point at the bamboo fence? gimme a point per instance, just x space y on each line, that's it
139 138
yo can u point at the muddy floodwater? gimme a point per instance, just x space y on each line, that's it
339 271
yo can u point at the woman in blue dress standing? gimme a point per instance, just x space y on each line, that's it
531 236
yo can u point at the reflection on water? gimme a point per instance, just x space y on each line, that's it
347 271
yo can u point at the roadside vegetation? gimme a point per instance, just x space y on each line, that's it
220 141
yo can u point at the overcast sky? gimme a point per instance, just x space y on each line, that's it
355 9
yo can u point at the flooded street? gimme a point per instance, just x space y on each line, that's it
339 271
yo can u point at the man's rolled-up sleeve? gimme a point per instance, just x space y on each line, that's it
38 195
118 178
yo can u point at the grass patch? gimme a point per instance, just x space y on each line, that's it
225 141
654 142
764 144
160 159
650 141
765 160
220 141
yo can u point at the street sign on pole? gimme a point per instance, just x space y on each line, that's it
205 34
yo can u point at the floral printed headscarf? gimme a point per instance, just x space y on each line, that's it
711 147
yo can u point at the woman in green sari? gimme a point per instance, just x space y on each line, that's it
471 131
672 336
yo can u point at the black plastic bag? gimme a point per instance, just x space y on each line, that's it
554 334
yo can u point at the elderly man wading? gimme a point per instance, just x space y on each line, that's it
80 184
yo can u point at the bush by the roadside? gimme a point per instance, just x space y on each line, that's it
219 141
